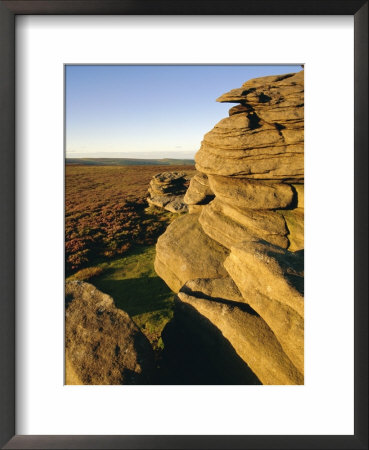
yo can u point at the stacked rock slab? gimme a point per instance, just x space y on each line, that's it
167 189
249 201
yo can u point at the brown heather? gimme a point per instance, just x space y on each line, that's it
105 211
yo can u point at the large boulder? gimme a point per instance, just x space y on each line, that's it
259 271
185 252
102 343
250 336
196 352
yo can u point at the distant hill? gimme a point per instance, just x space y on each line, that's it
128 162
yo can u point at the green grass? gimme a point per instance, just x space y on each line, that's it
86 274
110 235
132 282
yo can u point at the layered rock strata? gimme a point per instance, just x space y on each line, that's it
167 190
237 261
263 138
102 343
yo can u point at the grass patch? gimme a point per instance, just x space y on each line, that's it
86 274
132 282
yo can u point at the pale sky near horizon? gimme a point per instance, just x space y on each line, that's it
149 111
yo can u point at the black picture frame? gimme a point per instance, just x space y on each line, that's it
8 12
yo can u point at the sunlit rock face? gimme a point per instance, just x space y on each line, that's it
102 343
237 260
263 138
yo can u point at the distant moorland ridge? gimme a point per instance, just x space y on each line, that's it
128 162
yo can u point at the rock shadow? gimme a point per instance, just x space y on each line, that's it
136 295
197 353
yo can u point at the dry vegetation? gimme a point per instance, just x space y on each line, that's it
105 212
109 240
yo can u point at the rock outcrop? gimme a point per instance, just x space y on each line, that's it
263 138
102 343
185 252
167 190
251 337
268 289
237 260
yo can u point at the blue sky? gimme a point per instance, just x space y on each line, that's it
149 111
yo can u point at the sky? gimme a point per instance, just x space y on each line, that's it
149 111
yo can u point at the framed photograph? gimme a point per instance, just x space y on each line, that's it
156 292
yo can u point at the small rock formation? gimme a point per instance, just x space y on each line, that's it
103 346
237 260
167 189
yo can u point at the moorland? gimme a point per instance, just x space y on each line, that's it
110 236
220 296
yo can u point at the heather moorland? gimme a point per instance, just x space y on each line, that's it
110 232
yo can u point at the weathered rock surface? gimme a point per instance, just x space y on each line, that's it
195 209
264 139
231 226
214 288
295 223
251 337
251 194
102 343
263 284
199 191
167 190
273 164
247 218
299 188
185 252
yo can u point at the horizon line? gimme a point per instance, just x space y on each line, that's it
116 157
